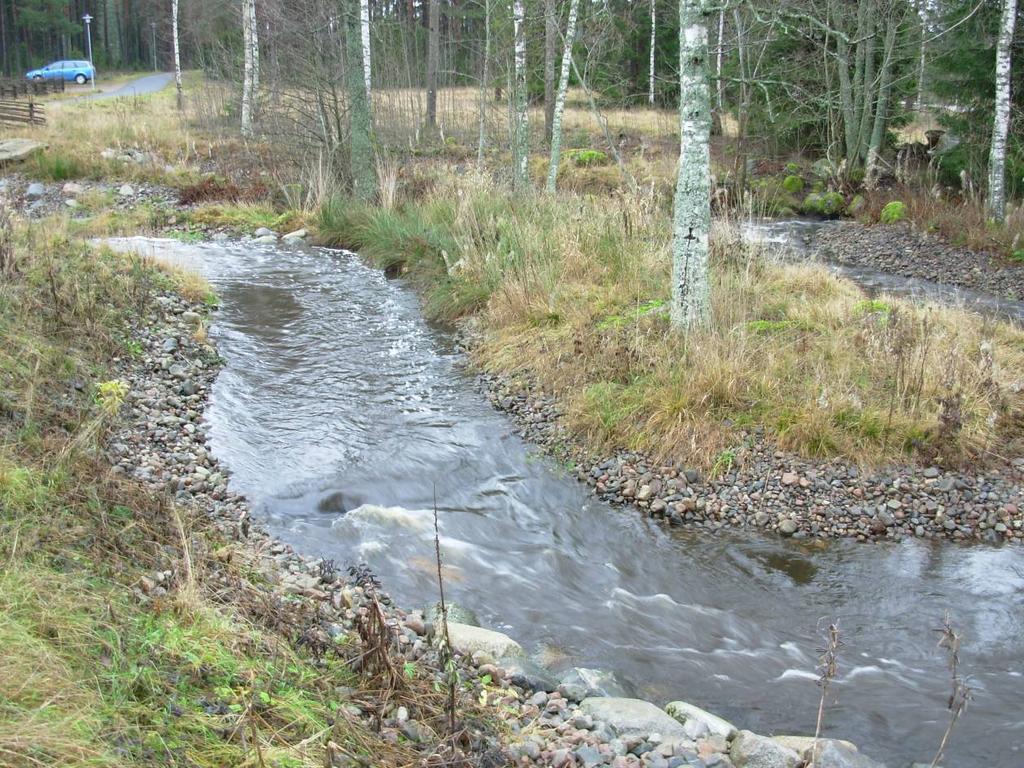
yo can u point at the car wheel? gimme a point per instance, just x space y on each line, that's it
38 77
80 79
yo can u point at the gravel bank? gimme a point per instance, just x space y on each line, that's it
901 249
770 490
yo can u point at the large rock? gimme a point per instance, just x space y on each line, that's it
840 754
802 745
580 683
35 191
634 717
467 640
749 750
13 150
695 719
527 674
456 612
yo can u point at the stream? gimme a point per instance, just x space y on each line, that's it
341 412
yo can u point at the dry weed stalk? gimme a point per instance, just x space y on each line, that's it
828 668
451 672
960 693
375 637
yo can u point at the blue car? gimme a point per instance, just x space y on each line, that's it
80 72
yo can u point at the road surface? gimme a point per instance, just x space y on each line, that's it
137 87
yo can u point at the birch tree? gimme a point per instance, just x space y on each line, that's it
520 117
251 74
563 87
364 31
650 74
177 56
484 80
433 55
362 159
550 42
691 300
1001 123
882 105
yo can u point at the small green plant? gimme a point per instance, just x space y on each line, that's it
110 395
793 184
893 212
617 321
873 307
585 158
723 463
1018 255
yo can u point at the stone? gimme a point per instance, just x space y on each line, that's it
467 640
456 612
715 725
170 344
14 150
298 234
265 239
264 232
634 718
789 478
126 190
748 750
580 683
787 527
803 745
35 191
527 674
830 753
931 473
71 203
72 188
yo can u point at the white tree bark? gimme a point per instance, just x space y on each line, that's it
1001 124
650 75
247 74
484 82
520 118
720 85
691 299
550 43
433 57
563 87
364 30
177 55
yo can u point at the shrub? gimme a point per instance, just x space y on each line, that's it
893 213
584 158
793 184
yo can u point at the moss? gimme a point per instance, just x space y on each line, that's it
827 204
794 185
893 212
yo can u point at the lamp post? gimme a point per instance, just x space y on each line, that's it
88 36
152 29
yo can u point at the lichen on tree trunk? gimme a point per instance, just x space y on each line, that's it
563 87
691 303
361 152
1001 122
520 120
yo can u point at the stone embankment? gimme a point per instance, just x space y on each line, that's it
584 718
901 249
770 490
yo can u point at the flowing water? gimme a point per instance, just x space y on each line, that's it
336 394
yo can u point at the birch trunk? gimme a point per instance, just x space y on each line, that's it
484 78
433 54
650 74
882 107
691 300
254 41
1001 123
867 113
846 99
550 42
364 34
922 15
360 127
520 118
247 79
720 87
563 87
177 56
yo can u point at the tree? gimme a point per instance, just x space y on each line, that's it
1001 122
550 41
691 301
360 128
251 75
563 87
433 55
177 55
364 32
520 117
650 71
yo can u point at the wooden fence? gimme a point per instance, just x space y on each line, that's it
12 89
26 112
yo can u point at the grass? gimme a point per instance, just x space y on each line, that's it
572 290
92 672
